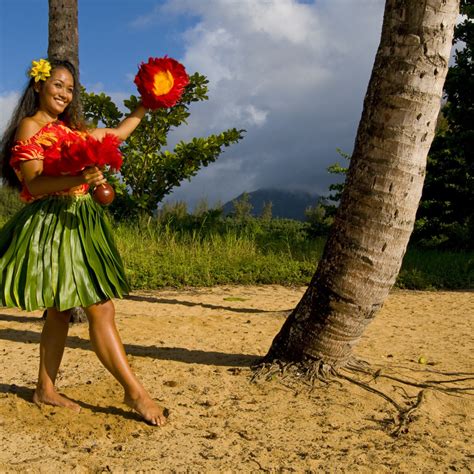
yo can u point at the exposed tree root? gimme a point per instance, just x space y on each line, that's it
309 372
403 415
439 385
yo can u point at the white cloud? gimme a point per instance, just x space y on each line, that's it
255 116
8 102
144 21
293 75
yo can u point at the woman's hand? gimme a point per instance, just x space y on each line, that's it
93 176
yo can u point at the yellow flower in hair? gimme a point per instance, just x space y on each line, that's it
40 70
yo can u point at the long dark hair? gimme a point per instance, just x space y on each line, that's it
27 107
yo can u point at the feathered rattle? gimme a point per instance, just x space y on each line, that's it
161 83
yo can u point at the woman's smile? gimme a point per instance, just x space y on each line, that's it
56 92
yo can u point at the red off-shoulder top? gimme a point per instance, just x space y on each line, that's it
46 143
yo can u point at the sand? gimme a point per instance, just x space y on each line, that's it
193 349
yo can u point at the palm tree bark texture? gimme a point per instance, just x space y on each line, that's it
368 239
63 43
63 35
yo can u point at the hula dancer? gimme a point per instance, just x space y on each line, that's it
58 252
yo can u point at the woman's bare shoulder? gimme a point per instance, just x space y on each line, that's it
27 128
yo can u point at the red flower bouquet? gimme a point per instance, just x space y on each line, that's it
72 157
161 82
92 152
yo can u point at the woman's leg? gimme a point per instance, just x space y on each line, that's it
109 349
53 340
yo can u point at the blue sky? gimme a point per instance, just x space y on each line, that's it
111 44
292 73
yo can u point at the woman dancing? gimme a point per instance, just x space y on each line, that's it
58 252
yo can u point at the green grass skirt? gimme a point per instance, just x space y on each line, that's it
59 252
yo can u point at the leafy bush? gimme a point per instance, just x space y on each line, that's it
149 172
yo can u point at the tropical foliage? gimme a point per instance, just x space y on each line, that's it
150 171
446 214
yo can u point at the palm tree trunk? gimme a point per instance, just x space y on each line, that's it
63 42
367 242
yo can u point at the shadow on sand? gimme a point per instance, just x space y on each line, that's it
179 354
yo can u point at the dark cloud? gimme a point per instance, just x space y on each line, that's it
293 75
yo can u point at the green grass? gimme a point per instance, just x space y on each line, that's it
156 257
430 269
9 203
199 253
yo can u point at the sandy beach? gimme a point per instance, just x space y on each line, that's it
193 350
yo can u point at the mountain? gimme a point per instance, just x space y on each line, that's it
286 204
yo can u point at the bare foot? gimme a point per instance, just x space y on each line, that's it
55 399
150 411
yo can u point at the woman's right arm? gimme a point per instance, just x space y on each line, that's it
125 128
38 184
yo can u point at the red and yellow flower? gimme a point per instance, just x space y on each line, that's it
161 82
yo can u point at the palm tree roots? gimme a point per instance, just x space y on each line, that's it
312 372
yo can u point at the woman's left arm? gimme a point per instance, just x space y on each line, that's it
125 127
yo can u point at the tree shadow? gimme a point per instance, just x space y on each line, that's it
154 299
178 354
21 319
